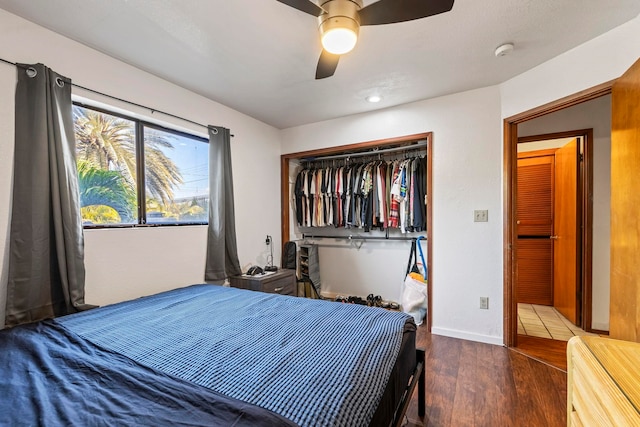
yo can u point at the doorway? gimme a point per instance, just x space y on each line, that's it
554 203
511 132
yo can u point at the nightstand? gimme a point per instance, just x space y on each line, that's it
281 282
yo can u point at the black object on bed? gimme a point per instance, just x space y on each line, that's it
209 355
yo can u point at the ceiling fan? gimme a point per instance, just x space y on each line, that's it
340 22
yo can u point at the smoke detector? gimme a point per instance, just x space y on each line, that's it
504 49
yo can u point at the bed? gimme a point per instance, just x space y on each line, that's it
212 355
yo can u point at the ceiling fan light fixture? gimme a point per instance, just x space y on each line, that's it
339 22
339 41
339 35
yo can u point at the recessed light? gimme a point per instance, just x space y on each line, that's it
374 98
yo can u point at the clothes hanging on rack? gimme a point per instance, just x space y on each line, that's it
371 195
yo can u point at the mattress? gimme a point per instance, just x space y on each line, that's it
308 362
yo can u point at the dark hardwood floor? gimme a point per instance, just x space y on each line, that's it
553 352
475 384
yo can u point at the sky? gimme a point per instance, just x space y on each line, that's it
192 158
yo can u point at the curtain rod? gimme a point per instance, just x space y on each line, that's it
420 144
153 110
9 62
351 237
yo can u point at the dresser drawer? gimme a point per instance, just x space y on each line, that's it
282 286
282 282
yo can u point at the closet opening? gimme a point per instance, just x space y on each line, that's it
338 232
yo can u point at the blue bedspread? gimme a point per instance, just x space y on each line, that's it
51 377
273 351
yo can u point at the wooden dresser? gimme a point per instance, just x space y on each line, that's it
603 383
281 282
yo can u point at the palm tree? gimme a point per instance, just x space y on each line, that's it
161 174
108 142
101 214
101 187
105 142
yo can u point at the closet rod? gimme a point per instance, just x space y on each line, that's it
351 237
420 144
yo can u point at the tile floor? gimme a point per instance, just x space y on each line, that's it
546 322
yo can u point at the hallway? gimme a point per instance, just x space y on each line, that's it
546 322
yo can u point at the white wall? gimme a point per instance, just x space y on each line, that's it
597 61
543 145
123 264
7 92
594 114
467 257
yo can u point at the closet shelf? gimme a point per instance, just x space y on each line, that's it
374 152
351 237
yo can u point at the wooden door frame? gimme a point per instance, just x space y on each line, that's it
285 230
510 152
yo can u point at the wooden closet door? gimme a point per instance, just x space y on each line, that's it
535 271
565 247
535 226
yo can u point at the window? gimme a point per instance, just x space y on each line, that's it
133 172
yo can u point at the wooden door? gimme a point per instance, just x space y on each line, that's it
534 219
535 271
565 247
625 207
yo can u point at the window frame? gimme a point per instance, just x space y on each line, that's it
139 126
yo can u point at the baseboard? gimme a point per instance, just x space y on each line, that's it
329 295
452 333
599 328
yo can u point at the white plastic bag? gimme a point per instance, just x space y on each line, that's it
414 298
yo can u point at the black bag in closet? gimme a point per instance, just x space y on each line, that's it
289 255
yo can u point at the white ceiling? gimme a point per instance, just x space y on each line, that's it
259 56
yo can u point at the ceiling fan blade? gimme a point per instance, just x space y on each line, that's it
391 11
327 65
304 6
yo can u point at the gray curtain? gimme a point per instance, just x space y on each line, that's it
222 249
46 260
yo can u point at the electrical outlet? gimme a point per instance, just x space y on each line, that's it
481 216
484 303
